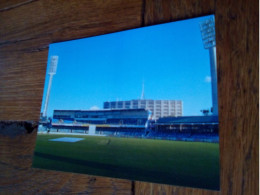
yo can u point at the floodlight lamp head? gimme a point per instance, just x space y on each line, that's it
53 66
207 29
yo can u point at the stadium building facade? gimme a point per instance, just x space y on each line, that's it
198 124
111 117
159 108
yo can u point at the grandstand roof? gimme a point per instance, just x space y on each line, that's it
187 119
102 110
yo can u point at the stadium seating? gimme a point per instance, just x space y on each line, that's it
164 134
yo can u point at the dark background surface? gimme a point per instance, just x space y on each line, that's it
29 26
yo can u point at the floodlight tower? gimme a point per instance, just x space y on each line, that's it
207 29
52 71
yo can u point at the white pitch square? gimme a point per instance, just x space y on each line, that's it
67 139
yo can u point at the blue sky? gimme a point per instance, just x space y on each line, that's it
169 58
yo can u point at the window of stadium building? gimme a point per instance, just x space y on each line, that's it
143 99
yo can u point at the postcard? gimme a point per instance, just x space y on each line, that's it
139 104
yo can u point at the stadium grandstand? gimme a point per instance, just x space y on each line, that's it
122 117
187 128
135 123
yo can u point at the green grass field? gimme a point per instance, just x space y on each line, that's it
191 164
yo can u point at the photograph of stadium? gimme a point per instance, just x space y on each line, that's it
139 104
